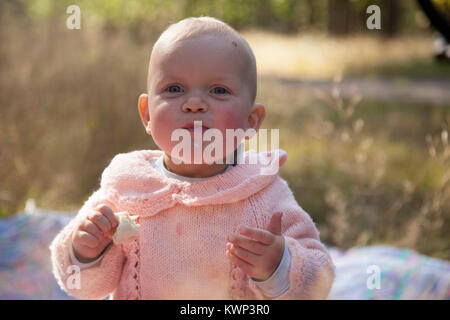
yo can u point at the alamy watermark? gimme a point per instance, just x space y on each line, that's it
74 20
214 151
73 281
374 20
374 280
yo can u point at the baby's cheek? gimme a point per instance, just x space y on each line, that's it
162 126
231 119
234 122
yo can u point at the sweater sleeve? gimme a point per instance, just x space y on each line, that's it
97 281
311 271
278 282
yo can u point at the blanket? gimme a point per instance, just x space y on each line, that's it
364 273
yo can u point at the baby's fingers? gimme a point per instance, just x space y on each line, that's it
109 214
84 238
101 221
246 267
243 254
246 243
261 235
91 228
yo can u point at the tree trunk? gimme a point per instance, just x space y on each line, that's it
339 17
390 17
312 13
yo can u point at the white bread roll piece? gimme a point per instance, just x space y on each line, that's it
127 229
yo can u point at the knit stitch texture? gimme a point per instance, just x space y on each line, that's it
180 253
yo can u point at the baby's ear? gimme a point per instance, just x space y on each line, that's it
143 110
256 116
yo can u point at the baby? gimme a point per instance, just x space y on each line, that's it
207 230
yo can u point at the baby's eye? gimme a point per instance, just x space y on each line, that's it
219 90
174 89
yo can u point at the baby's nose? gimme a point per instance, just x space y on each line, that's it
194 105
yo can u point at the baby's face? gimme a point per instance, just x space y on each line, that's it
204 78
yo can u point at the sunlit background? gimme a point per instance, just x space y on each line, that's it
363 114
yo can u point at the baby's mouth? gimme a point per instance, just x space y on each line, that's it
190 127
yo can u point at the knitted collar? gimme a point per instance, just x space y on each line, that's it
158 163
130 179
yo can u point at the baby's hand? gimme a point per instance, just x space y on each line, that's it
257 252
93 234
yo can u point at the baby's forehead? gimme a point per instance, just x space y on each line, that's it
224 54
227 44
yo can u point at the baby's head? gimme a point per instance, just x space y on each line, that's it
200 69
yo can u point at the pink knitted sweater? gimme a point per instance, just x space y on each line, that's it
180 253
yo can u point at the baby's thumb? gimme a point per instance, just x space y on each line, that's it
275 223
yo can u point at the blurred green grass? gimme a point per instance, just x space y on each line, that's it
376 185
364 170
319 56
425 68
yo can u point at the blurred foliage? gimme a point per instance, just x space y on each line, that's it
288 16
367 172
443 6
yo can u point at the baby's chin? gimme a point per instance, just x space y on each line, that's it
199 154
